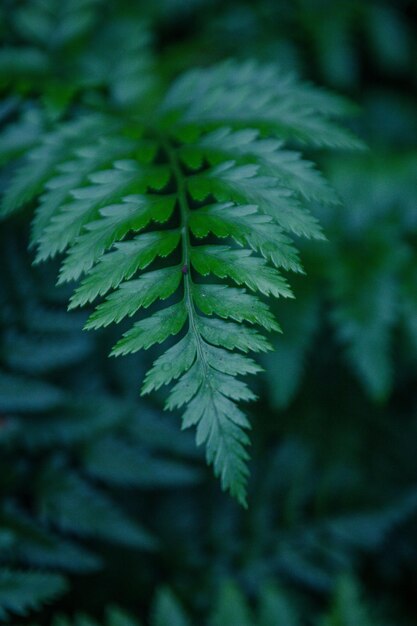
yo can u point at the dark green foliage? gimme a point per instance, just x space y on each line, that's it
105 123
274 608
67 439
211 157
24 591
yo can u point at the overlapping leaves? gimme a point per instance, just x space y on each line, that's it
204 193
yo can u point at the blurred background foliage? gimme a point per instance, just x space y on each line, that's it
103 501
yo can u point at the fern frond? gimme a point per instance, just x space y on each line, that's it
208 164
21 135
252 96
348 608
288 166
121 463
365 311
116 617
21 592
40 162
67 501
70 175
231 607
41 21
34 545
167 611
276 608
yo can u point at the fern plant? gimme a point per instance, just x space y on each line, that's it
24 591
69 448
370 294
274 607
207 163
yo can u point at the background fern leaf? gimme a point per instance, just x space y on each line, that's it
21 592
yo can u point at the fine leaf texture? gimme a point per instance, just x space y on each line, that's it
193 215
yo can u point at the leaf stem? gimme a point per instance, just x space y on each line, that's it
186 247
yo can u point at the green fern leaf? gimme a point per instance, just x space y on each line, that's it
167 611
348 608
118 220
120 463
34 545
251 96
231 607
241 267
275 608
41 161
127 177
70 175
18 393
123 263
151 330
21 592
133 295
232 336
246 146
119 194
169 366
233 303
247 227
116 617
73 505
21 136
